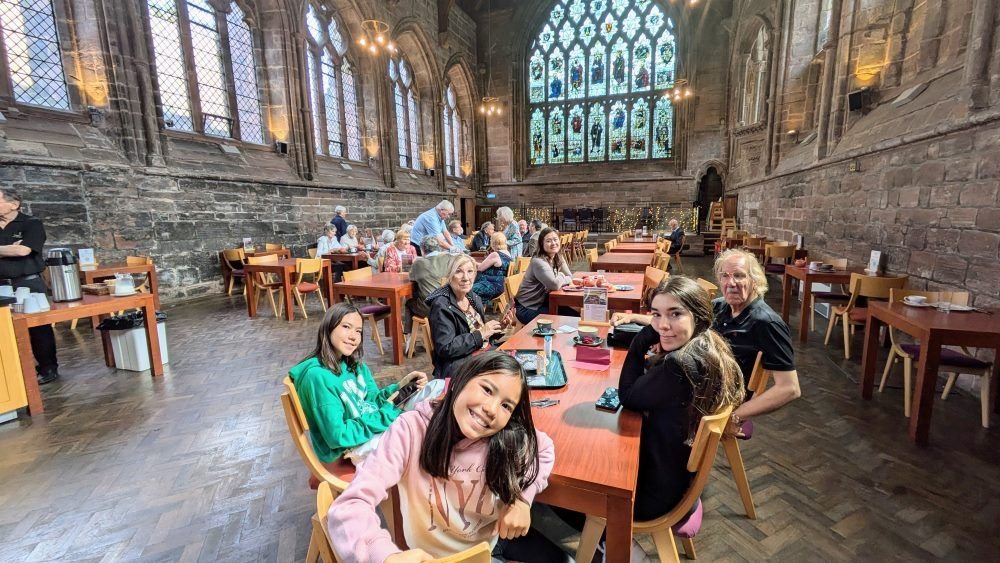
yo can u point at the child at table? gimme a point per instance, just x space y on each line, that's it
343 405
467 468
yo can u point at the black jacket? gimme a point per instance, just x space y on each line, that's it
453 341
481 241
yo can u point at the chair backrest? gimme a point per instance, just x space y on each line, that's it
468 241
778 250
263 278
357 275
875 287
138 260
232 258
591 258
273 246
512 284
309 266
837 263
312 252
711 288
759 376
299 429
650 280
522 264
753 241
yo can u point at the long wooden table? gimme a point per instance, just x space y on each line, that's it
617 301
89 306
285 268
390 287
597 452
623 262
353 258
635 247
934 329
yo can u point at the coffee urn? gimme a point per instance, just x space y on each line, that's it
65 275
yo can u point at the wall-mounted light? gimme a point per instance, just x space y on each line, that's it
281 147
96 116
793 135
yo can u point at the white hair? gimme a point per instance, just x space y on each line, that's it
506 214
339 209
352 228
388 236
445 205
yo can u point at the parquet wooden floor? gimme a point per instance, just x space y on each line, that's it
198 466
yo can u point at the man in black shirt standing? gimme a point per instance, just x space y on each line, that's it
21 263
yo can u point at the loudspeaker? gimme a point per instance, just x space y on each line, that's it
859 99
281 147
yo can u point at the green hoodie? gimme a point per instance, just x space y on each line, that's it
343 411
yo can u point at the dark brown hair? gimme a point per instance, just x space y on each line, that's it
324 351
512 458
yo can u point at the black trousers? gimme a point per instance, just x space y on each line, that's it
43 339
531 548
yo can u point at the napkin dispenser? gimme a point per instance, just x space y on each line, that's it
621 336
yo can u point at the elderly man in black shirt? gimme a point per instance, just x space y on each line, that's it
21 263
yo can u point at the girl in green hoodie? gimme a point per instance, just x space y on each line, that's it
343 405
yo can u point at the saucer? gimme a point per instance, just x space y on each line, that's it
622 287
960 308
906 301
538 332
596 343
133 292
569 287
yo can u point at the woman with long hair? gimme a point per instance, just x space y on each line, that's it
547 271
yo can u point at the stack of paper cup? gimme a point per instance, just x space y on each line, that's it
6 291
22 293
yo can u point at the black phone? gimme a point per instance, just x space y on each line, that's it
608 400
404 393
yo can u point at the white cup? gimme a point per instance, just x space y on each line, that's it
41 301
22 294
31 306
6 291
916 299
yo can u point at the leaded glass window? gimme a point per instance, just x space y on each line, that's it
597 75
208 79
454 138
30 38
333 96
407 112
754 80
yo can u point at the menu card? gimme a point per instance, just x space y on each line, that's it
248 244
595 304
875 263
86 257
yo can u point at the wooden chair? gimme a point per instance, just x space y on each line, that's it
952 362
371 312
268 246
703 452
312 252
711 288
837 295
142 284
231 261
312 267
731 445
870 287
422 328
521 264
661 261
512 284
651 279
777 251
591 258
267 282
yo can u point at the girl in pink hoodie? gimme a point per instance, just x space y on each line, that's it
467 468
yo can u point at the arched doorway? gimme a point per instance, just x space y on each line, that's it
710 189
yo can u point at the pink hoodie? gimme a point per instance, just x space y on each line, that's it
441 517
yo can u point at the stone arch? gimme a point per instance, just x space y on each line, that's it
746 38
720 169
459 74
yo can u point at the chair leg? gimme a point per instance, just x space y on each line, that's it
321 300
232 280
984 399
375 334
428 343
666 546
72 324
298 298
592 531
312 555
688 544
680 265
847 338
907 398
952 377
888 367
829 327
735 458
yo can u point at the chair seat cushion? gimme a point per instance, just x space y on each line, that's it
775 268
375 309
858 314
238 274
830 296
306 287
949 357
689 526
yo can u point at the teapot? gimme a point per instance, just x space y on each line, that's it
800 263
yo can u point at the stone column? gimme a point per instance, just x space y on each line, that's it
930 42
977 67
829 75
133 35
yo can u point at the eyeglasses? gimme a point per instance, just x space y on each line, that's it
735 276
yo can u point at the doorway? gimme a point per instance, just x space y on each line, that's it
710 189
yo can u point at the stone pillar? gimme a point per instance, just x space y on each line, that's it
134 36
827 87
977 67
930 42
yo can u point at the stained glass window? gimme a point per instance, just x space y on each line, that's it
209 84
31 39
454 140
407 113
333 93
597 73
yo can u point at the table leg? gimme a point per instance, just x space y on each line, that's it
786 296
807 299
397 328
286 276
869 356
619 530
328 284
995 383
31 388
154 286
153 338
248 281
109 352
335 296
925 387
553 305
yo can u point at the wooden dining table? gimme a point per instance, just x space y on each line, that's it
934 329
392 288
617 300
95 306
597 452
280 253
623 262
285 269
809 276
355 259
100 272
635 247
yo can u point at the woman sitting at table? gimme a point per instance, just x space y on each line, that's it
399 253
328 242
677 370
350 239
458 321
547 271
493 269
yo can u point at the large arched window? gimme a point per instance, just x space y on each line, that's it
407 112
597 74
208 78
334 95
454 134
29 39
754 80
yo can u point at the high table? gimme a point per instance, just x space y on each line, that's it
597 452
286 269
809 276
617 300
635 247
623 262
89 306
390 287
934 329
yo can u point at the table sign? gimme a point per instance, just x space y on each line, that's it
87 257
595 304
248 244
798 242
874 263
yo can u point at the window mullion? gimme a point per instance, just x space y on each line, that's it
227 65
184 27
342 93
320 92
